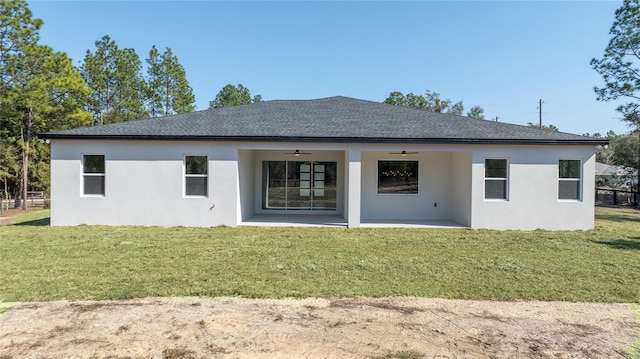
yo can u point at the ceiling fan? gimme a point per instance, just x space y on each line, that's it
297 153
403 153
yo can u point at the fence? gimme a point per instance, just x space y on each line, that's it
34 199
616 197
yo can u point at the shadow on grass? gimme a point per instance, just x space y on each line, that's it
618 214
35 222
618 218
626 244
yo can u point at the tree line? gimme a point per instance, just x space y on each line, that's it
121 91
432 101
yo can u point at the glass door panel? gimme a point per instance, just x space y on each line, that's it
275 184
324 185
299 185
298 189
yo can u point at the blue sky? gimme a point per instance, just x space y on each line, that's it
503 56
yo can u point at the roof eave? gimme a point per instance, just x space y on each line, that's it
480 141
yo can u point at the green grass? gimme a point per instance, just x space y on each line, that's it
633 350
42 263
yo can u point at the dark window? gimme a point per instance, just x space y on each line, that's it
569 179
398 177
196 175
93 174
495 178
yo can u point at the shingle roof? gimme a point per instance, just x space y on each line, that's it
333 119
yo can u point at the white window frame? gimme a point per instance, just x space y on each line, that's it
396 160
83 175
579 180
505 179
185 176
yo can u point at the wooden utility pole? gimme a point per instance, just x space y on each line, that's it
540 112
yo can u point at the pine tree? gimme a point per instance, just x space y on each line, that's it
168 90
44 94
114 78
154 83
620 64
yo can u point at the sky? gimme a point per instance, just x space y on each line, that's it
502 55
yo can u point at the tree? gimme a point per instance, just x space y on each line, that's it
168 90
39 91
43 95
624 150
114 78
233 96
17 28
476 112
9 166
544 127
154 82
431 101
620 66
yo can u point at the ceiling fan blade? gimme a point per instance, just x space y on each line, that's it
403 153
297 153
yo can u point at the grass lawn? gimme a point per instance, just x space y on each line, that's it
41 263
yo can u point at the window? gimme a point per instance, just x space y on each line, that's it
569 179
196 176
495 178
398 177
93 174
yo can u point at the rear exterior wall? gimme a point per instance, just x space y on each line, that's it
533 178
144 184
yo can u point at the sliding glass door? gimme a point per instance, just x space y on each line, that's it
299 185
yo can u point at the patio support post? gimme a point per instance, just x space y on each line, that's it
354 189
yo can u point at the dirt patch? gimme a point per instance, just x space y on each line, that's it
6 217
316 328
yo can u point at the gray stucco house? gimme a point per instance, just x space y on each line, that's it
341 160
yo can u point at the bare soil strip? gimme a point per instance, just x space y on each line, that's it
315 328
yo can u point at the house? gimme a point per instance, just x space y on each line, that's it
620 177
332 160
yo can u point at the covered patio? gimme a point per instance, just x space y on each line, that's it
372 186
